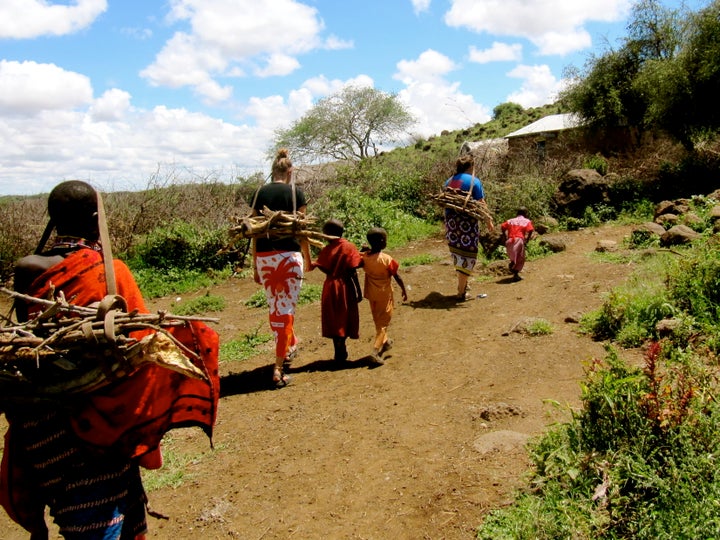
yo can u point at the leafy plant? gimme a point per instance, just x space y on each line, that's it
598 163
540 327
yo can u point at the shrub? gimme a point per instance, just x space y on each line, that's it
360 212
184 246
694 284
155 283
596 162
636 461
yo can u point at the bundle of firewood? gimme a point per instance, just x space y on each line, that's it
69 349
459 201
277 224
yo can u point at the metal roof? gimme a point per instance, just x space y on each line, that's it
552 122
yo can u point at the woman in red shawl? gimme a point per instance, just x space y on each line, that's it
80 456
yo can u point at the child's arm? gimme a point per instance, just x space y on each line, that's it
253 257
529 235
402 287
356 284
307 259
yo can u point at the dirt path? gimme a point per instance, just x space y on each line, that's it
421 447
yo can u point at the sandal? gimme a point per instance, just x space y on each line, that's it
386 346
291 355
376 359
280 379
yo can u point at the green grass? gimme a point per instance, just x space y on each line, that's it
237 350
540 327
309 293
639 457
416 260
202 304
176 462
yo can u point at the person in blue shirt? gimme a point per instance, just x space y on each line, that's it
462 230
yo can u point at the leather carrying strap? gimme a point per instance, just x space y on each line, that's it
106 250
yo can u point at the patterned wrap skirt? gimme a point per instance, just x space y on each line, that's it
462 233
281 273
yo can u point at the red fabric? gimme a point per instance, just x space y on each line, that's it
133 414
517 227
283 327
339 311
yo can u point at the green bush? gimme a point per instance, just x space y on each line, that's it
694 284
598 163
636 461
156 283
183 245
360 212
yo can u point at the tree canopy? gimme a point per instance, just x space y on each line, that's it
349 125
665 75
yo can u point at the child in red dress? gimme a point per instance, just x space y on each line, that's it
379 269
341 293
517 232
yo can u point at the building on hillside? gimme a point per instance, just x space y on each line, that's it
486 152
543 135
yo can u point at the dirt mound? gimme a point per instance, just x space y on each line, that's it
422 447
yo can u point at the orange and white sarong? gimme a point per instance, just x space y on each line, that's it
281 273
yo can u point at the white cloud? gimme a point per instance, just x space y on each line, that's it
437 103
23 19
334 43
420 6
498 52
430 66
278 65
230 37
112 105
29 87
115 145
538 88
540 21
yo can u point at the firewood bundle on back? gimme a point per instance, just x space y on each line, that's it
277 224
458 200
70 349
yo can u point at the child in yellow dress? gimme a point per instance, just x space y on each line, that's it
379 269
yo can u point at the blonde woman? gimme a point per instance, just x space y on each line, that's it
280 263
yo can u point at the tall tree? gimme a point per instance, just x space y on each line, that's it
683 89
348 125
617 87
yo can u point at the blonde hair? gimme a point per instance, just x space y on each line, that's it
282 164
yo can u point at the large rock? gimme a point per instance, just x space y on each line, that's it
650 227
676 208
556 244
579 189
678 235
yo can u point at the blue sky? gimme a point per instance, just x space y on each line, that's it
117 92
